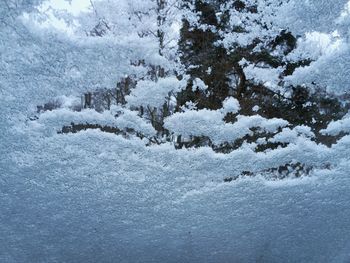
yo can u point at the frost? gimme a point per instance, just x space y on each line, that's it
159 90
210 123
291 135
51 122
336 127
314 45
198 83
322 25
270 77
329 70
231 105
93 196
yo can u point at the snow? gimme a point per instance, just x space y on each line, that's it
311 15
230 105
155 209
198 83
329 71
51 122
323 26
336 127
210 123
270 77
160 90
322 30
291 135
97 197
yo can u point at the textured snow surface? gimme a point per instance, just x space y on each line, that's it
210 123
94 197
328 21
98 198
322 29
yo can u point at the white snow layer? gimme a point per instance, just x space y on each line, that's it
95 197
210 123
325 28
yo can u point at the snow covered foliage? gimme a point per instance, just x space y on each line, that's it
174 131
160 90
329 33
210 123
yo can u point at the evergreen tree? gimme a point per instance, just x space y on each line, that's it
228 87
232 46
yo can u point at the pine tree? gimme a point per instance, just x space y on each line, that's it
224 42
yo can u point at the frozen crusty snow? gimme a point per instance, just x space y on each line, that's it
210 123
97 197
